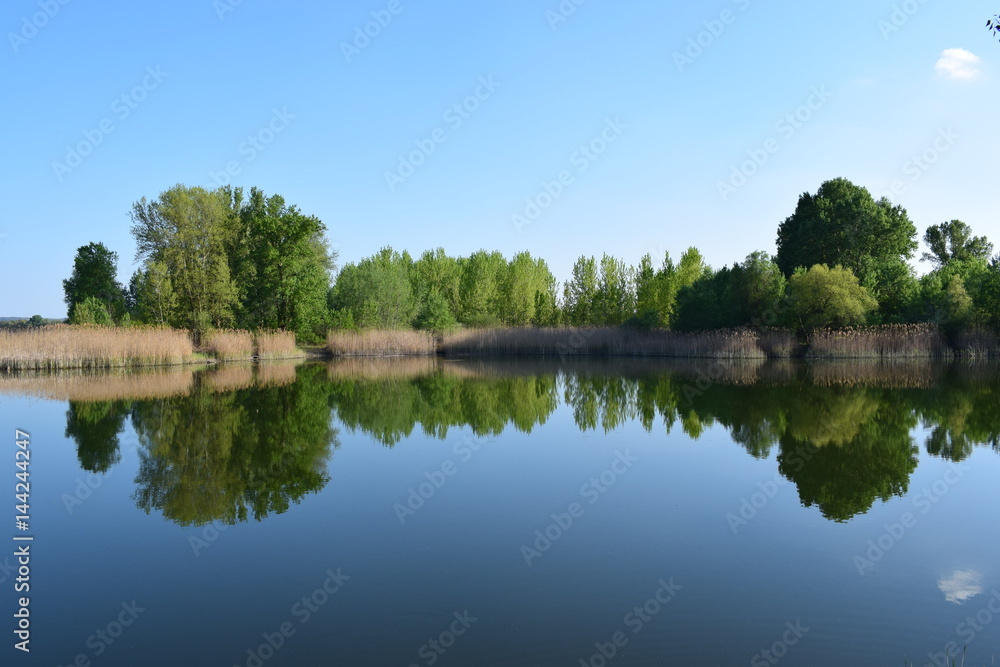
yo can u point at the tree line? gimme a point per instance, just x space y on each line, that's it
218 258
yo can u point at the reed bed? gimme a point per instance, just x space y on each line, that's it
228 344
103 386
228 377
64 346
978 343
380 343
277 374
919 373
608 341
276 345
373 368
895 341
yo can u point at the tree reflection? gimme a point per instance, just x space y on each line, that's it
233 446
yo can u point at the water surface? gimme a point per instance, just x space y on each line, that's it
422 512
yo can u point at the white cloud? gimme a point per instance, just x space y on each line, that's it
961 585
958 64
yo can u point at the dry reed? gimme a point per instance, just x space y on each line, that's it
277 345
894 340
104 386
613 342
91 347
228 344
380 343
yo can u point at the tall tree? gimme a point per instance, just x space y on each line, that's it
825 297
479 288
95 276
580 292
953 241
377 291
188 230
843 225
280 263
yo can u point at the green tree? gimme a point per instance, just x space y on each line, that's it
614 301
437 273
524 279
435 315
825 297
953 241
280 263
479 288
92 311
760 289
94 277
580 293
188 230
152 296
843 225
377 291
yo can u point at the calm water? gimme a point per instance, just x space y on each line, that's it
445 513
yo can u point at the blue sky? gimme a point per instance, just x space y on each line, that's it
591 114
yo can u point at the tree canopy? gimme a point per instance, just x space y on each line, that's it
94 278
953 241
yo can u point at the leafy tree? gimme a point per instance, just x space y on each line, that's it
92 311
953 241
993 25
580 292
479 288
280 263
152 296
377 291
524 279
94 277
760 288
435 315
843 225
188 230
36 321
437 273
825 297
614 301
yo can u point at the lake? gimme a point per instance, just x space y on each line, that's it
431 512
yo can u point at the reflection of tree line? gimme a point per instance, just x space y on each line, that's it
216 455
219 454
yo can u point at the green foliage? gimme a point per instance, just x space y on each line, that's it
580 293
280 264
479 288
435 315
526 285
94 277
377 291
92 311
953 241
188 231
843 225
824 297
152 296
